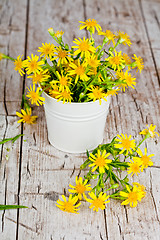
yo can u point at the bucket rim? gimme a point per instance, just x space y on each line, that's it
75 103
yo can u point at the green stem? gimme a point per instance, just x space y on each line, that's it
7 57
138 145
52 69
91 83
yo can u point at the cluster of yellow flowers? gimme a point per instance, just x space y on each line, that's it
81 74
102 168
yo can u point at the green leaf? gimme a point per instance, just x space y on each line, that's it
5 207
5 140
16 137
11 139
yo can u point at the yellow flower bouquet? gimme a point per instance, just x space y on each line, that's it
84 73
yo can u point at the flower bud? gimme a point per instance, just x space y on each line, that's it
94 176
115 186
51 31
111 49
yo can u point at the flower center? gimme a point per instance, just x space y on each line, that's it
126 143
80 188
97 93
91 24
135 167
84 46
98 203
62 54
100 161
27 118
33 65
80 70
145 159
47 50
93 63
68 207
63 81
132 196
116 60
34 95
18 64
37 78
65 95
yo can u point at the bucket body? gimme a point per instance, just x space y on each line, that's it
75 127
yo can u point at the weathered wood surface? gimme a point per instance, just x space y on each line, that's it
35 174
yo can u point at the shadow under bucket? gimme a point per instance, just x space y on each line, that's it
75 127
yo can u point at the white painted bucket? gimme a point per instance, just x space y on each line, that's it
75 127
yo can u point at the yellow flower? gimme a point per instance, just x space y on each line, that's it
51 31
34 96
26 116
100 160
98 202
58 34
78 70
61 55
40 77
109 36
112 92
70 206
138 63
134 167
90 25
80 188
1 56
32 65
126 59
116 61
54 91
92 61
19 66
96 93
132 197
63 81
47 50
125 143
150 131
64 96
145 160
130 81
84 47
140 187
120 76
123 38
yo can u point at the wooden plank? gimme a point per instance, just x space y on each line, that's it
133 223
12 41
46 172
150 13
12 38
9 176
129 112
45 169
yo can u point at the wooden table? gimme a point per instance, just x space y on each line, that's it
35 174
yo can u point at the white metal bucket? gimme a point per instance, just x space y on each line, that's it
75 127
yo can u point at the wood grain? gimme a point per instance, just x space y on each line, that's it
36 174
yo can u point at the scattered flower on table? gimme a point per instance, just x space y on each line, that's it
70 206
103 180
80 188
150 131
